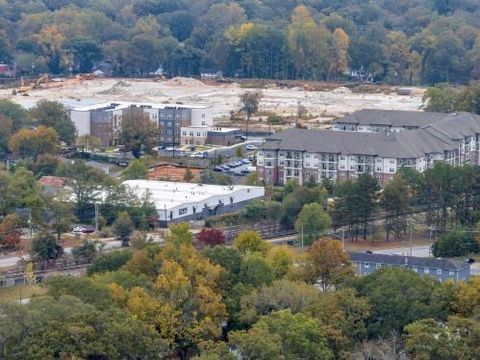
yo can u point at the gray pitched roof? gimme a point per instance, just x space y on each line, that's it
412 261
457 125
392 118
406 144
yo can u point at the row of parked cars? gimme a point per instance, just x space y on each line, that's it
238 167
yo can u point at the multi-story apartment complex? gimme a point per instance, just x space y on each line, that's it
104 120
300 154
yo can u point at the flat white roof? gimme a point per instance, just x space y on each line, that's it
118 105
168 194
224 129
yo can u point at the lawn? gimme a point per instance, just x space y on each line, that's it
15 293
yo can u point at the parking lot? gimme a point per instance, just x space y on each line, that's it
241 167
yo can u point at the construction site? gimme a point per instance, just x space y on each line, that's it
320 102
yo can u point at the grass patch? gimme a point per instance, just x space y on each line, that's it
13 294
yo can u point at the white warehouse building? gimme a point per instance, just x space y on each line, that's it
176 202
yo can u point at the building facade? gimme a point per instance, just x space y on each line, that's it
177 201
104 120
301 155
441 269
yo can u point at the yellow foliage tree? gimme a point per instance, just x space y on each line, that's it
339 59
30 143
281 259
250 241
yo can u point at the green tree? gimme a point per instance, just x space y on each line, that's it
138 133
398 297
283 335
135 170
455 243
255 270
394 200
45 247
440 99
312 222
180 234
53 114
14 113
249 102
109 262
86 52
123 227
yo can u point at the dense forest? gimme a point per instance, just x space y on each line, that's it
408 41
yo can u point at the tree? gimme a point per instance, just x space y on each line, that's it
53 114
30 275
249 241
466 301
440 99
312 222
343 315
87 250
339 57
135 170
188 176
30 143
249 102
280 295
210 237
398 297
85 142
326 264
281 259
45 247
455 243
123 227
179 234
255 270
14 113
51 40
282 335
428 339
60 211
138 133
10 231
395 199
109 262
140 263
86 52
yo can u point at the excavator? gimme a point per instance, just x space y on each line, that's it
23 89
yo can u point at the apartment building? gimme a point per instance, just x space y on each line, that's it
301 154
104 120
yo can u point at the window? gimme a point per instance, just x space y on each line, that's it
439 271
426 270
182 211
451 272
184 133
392 170
342 157
366 265
379 169
392 161
198 133
307 155
378 266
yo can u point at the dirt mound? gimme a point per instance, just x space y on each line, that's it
183 81
342 90
116 89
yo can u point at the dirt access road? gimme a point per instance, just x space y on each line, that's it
283 100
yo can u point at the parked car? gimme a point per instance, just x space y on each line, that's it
218 168
78 229
225 167
245 161
88 230
251 147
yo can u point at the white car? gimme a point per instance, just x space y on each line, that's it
250 147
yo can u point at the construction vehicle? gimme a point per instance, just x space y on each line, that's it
23 89
40 80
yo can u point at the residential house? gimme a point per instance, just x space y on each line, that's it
441 269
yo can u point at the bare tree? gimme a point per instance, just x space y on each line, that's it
249 102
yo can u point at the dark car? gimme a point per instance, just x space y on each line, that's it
88 230
217 168
122 163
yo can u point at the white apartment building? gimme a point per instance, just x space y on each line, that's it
300 155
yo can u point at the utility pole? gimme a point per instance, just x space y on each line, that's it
96 217
411 240
302 240
343 239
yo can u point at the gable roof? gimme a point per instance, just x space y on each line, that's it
392 118
410 261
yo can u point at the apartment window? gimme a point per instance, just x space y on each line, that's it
439 271
426 270
307 155
184 133
366 265
378 266
392 161
182 211
169 123
281 162
191 133
280 154
392 170
342 167
451 272
198 133
342 157
379 169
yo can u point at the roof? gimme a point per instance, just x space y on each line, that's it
392 118
406 144
119 105
167 194
167 164
456 125
223 130
52 181
411 261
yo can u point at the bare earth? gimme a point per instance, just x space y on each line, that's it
321 105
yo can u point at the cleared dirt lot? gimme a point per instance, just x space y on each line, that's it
321 105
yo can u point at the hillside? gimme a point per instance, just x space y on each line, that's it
408 41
